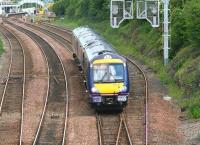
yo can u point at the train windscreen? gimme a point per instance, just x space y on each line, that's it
108 73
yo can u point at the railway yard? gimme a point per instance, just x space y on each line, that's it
44 99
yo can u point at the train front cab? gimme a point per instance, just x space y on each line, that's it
109 84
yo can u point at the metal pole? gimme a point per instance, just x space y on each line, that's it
1 11
166 32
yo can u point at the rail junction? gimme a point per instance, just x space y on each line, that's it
128 127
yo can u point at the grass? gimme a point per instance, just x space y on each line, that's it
1 46
198 137
130 41
66 23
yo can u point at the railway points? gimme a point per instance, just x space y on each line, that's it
143 137
57 75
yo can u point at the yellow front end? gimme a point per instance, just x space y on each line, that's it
108 82
109 88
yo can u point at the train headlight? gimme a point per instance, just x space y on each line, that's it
123 89
94 90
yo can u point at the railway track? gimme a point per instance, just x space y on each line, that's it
63 31
11 105
113 130
136 112
53 123
131 126
138 104
58 37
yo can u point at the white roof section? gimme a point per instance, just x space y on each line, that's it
5 3
39 2
92 42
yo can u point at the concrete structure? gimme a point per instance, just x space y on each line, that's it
7 6
38 2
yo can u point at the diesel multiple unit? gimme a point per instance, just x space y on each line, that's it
105 71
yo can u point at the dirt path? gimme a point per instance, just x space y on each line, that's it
163 116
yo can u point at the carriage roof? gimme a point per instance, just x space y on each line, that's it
92 43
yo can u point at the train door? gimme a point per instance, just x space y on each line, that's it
83 59
73 44
76 46
79 53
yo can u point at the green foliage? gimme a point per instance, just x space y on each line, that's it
130 38
1 46
59 7
177 3
198 137
179 38
192 14
95 10
138 39
195 111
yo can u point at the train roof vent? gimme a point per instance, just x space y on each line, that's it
104 51
89 43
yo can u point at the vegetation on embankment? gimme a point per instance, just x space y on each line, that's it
1 46
137 38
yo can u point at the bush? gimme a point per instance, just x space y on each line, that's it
179 36
1 46
194 111
94 10
192 15
137 38
59 8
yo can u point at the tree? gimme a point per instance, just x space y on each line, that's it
179 35
192 15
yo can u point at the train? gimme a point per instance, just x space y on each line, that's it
105 71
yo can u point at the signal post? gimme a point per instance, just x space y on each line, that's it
149 10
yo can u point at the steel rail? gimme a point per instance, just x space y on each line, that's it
43 24
99 129
146 122
66 91
146 95
64 32
22 122
121 123
47 94
119 130
24 79
67 96
57 27
9 71
54 35
49 33
126 128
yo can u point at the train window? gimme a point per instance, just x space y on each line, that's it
104 73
